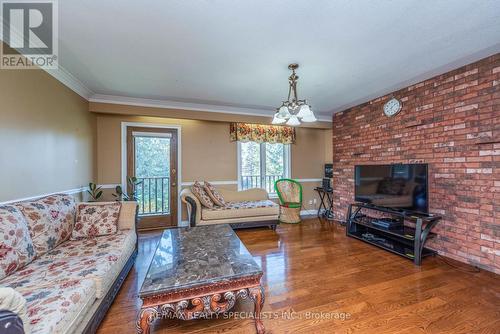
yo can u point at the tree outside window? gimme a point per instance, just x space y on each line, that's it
260 165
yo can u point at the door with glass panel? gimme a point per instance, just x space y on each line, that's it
152 159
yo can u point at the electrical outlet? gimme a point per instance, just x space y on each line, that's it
310 202
315 201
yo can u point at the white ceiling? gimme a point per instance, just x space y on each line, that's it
234 53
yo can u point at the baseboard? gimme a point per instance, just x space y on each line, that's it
309 212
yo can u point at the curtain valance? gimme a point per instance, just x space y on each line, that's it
262 133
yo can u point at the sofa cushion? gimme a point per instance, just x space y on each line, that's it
241 209
16 246
127 215
54 308
50 220
214 195
123 241
100 259
200 193
96 219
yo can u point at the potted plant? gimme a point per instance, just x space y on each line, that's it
94 192
131 195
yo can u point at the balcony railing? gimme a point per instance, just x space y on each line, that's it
257 181
153 195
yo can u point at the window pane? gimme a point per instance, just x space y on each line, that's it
250 165
275 164
152 169
152 156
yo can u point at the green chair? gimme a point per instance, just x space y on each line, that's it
290 194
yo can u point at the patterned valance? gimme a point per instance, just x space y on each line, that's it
262 133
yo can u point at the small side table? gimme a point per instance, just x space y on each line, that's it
326 197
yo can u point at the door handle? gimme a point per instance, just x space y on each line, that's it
174 184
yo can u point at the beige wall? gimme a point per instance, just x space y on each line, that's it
207 153
47 136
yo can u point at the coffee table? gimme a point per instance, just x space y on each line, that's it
198 272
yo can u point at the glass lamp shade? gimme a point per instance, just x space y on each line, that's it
277 120
304 111
308 116
293 121
283 113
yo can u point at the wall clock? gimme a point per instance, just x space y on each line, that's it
392 107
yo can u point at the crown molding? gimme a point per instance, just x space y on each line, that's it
67 79
169 104
60 74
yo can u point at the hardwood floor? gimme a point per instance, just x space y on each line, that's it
319 281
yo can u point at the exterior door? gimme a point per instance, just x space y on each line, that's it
152 159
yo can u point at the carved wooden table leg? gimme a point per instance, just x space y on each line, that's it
146 317
257 295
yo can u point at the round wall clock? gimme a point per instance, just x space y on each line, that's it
392 107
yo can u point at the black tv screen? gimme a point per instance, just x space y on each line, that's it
400 186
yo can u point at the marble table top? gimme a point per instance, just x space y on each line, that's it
196 256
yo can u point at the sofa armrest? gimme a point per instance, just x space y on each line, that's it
193 206
255 194
128 215
13 301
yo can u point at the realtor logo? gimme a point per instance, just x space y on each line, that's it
29 33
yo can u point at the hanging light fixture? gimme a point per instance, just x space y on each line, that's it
293 111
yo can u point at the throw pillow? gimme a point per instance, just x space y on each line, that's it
50 220
201 194
95 219
16 246
216 196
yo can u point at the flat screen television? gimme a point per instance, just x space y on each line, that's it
400 186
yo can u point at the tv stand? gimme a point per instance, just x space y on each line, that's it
404 240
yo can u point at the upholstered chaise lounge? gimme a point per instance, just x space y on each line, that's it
244 209
54 283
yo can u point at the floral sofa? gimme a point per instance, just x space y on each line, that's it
53 282
243 209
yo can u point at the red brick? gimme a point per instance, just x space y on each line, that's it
442 123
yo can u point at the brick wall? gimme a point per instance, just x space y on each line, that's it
451 122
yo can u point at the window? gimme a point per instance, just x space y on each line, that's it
260 165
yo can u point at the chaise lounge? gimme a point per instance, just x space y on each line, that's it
248 208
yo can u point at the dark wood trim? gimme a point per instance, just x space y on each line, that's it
194 207
272 224
162 221
159 298
202 301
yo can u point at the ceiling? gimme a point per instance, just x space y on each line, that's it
232 55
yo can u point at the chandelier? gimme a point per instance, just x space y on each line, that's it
293 111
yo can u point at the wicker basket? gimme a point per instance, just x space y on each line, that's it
289 215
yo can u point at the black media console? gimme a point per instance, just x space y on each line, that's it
385 228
